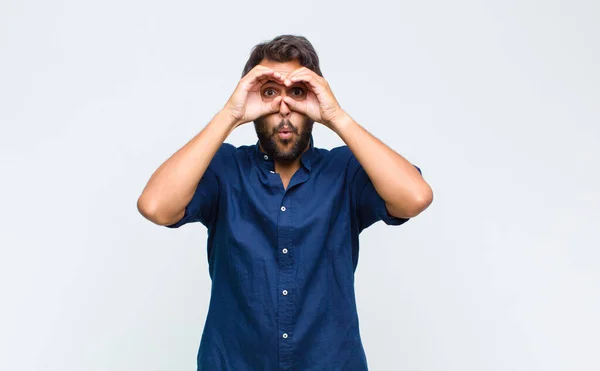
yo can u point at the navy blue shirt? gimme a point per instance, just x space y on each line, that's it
282 261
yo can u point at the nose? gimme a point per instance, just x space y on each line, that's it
284 110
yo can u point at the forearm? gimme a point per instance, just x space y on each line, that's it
395 179
172 186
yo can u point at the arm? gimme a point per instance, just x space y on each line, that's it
396 180
173 185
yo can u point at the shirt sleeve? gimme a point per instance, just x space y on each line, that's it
368 205
203 206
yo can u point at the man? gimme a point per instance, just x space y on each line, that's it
283 216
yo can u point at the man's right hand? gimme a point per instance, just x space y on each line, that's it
246 103
173 185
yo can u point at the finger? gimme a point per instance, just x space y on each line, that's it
304 71
259 69
263 75
301 70
250 80
260 76
299 107
296 71
262 80
309 80
275 104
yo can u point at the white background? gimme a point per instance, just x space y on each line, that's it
497 102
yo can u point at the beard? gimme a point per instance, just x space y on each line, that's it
276 147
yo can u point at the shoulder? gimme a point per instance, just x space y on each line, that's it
229 156
341 156
341 152
228 151
336 162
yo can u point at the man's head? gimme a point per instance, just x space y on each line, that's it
284 135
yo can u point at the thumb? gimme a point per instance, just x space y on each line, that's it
274 105
294 105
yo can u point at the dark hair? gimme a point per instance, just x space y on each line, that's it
285 48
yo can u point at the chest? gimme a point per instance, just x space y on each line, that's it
277 206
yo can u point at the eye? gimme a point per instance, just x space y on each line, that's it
269 92
298 92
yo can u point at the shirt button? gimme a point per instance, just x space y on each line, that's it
284 251
284 292
266 157
283 208
285 335
272 172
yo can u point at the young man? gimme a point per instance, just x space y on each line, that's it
283 216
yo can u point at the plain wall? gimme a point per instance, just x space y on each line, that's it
497 102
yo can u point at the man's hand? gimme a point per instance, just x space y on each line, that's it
320 103
246 104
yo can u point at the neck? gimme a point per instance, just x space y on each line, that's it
286 168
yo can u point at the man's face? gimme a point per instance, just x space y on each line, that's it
283 135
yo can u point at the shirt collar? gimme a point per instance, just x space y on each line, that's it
266 162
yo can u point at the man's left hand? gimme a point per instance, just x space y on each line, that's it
320 104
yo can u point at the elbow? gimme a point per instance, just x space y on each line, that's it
146 208
421 202
414 206
149 210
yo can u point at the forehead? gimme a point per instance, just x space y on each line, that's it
282 67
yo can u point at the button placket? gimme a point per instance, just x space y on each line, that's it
286 280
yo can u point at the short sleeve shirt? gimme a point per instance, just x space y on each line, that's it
282 260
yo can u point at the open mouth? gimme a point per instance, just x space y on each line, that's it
285 134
